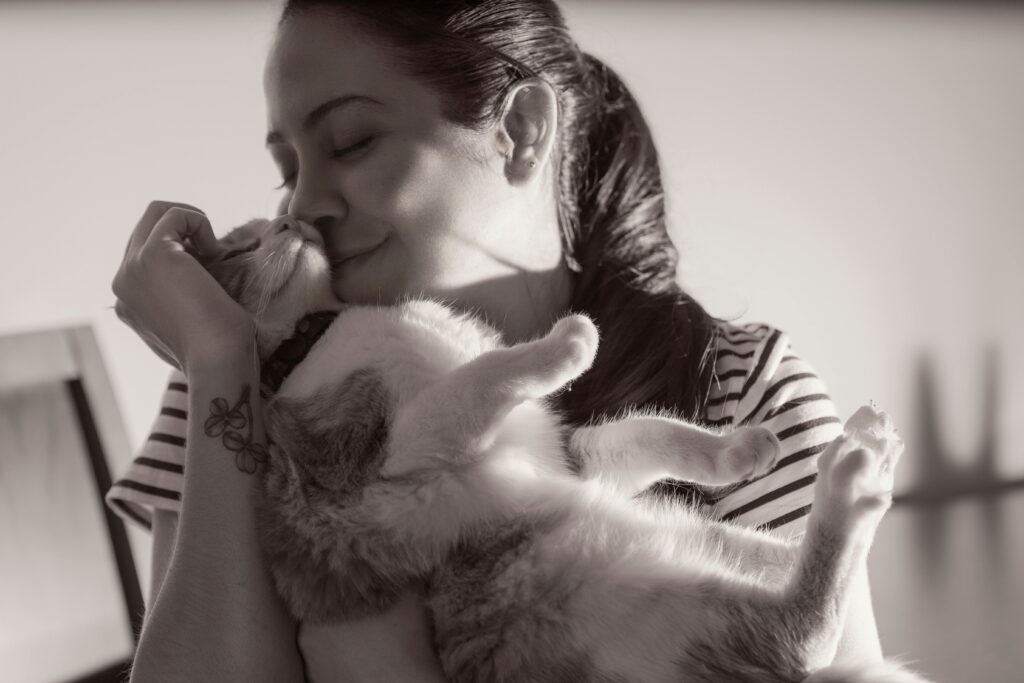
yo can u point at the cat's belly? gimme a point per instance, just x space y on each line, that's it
407 356
559 600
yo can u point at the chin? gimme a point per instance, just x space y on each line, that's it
363 296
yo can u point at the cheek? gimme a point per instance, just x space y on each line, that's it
434 200
408 185
427 184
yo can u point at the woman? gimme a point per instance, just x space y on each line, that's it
465 150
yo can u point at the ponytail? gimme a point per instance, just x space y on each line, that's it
656 341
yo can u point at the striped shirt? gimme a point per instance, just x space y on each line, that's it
759 382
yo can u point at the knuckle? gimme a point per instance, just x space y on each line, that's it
143 259
157 207
117 286
121 311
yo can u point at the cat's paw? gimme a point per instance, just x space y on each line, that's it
578 335
748 452
568 350
855 472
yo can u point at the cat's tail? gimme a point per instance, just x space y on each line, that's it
888 671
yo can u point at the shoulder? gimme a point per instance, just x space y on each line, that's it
761 380
758 375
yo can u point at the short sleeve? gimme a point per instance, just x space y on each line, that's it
155 478
763 382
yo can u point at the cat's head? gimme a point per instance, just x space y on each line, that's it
277 270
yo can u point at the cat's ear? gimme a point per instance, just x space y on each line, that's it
242 239
249 231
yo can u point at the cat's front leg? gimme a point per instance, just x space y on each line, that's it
852 493
458 418
632 453
795 630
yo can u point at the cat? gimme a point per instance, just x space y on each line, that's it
411 444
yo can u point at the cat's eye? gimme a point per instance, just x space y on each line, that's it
244 250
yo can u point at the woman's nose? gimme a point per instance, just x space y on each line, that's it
316 203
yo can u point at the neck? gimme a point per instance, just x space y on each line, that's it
521 307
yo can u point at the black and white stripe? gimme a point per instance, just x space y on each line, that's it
760 381
155 478
782 393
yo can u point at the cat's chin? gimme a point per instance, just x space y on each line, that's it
307 289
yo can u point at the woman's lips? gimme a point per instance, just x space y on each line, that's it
356 256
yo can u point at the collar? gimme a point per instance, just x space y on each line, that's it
292 350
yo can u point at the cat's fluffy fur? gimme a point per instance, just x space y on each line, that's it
411 444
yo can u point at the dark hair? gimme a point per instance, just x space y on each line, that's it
657 343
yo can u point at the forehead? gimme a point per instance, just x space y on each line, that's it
321 54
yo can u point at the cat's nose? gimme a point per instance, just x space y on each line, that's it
286 223
289 223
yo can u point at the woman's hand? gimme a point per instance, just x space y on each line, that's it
395 646
168 298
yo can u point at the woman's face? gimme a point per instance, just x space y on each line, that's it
408 202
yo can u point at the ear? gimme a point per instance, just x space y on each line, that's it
527 129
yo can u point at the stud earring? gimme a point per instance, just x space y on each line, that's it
533 164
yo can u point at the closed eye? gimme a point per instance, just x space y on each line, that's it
289 181
244 250
351 149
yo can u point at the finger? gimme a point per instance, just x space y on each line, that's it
152 215
189 228
121 311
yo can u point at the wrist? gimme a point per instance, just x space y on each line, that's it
230 356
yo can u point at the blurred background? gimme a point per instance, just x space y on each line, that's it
850 172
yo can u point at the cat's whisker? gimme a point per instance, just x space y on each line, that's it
277 267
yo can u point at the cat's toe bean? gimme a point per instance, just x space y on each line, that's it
854 480
579 329
871 424
768 450
577 338
851 466
750 452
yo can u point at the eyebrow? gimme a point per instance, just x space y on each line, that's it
320 111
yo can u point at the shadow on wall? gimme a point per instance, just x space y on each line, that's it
943 479
940 475
946 565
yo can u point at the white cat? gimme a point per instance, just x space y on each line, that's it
411 444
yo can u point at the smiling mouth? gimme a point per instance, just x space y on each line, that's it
352 259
